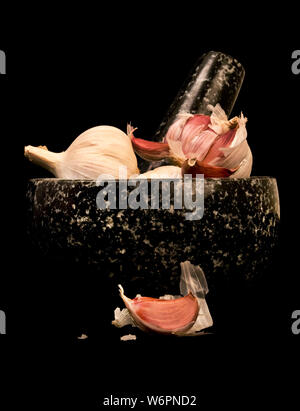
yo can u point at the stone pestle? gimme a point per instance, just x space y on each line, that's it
215 78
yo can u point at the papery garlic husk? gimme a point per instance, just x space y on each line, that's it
99 150
163 172
193 280
162 316
122 318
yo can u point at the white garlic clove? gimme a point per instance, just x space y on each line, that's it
163 172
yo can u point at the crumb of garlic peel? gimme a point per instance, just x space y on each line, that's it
128 337
82 337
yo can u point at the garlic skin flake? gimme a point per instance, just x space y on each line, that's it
122 318
128 337
98 150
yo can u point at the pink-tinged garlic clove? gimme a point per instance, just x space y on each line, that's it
148 150
162 316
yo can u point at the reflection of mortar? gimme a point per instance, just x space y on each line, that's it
234 241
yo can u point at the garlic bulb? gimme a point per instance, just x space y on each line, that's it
201 144
99 150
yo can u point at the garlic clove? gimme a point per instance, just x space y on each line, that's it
162 316
216 152
148 150
198 145
231 157
176 153
175 130
194 126
245 167
232 151
163 172
190 137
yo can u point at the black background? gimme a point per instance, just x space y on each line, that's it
65 75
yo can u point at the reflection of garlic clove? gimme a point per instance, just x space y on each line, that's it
162 316
99 150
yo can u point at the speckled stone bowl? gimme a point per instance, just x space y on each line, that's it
142 249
